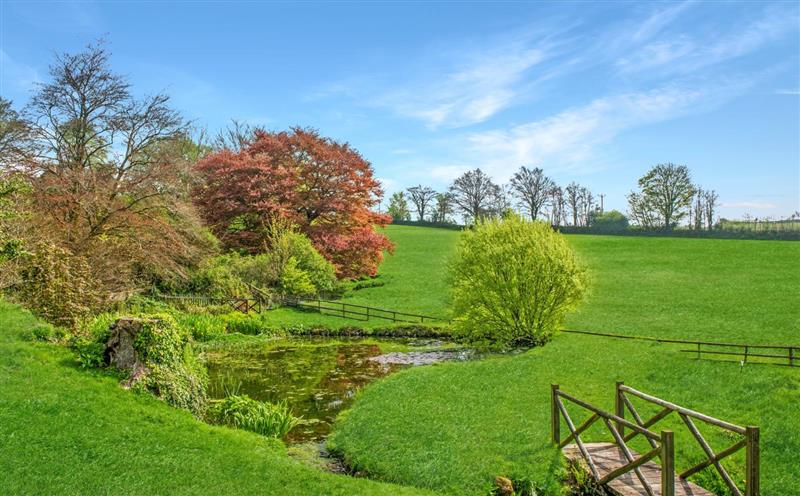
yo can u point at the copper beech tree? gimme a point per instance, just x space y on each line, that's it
325 187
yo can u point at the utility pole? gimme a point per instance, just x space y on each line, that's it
602 196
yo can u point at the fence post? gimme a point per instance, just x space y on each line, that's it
619 408
753 473
555 415
667 463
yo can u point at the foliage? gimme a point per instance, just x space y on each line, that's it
665 195
613 220
108 177
202 327
513 282
398 207
323 186
243 412
58 286
422 197
244 324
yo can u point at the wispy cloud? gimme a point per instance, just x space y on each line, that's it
677 52
476 88
570 138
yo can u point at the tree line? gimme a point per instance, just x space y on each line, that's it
474 196
666 196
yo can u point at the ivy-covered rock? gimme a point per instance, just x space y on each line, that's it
158 357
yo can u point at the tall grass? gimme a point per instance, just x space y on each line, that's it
243 412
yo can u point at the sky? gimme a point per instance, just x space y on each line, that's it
595 93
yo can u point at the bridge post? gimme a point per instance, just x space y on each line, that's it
667 463
753 473
555 415
619 407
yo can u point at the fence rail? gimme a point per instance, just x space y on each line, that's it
661 445
244 305
786 355
356 312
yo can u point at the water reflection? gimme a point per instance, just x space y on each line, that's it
318 378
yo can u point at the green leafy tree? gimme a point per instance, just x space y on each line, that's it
665 196
608 221
398 207
513 281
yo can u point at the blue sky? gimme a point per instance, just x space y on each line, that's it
591 92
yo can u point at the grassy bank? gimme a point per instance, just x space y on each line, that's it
69 431
454 427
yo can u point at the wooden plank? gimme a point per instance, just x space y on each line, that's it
607 457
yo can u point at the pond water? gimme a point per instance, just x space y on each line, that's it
318 377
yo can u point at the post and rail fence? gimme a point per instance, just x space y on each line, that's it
356 312
613 460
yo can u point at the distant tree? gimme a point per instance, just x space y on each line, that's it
573 199
323 186
586 199
513 281
639 209
444 208
697 211
421 197
475 195
612 220
398 207
667 192
235 137
532 188
557 206
710 203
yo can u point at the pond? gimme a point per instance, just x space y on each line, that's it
318 377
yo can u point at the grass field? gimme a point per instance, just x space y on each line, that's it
68 431
454 427
448 428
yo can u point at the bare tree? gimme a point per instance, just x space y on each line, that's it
696 213
710 203
421 197
235 137
573 199
532 188
474 194
586 202
557 206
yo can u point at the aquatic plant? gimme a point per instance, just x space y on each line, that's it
243 412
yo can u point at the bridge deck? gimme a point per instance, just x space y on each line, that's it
608 457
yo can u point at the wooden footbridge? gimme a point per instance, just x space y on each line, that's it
625 472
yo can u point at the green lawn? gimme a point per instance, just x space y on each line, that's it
68 431
704 289
454 427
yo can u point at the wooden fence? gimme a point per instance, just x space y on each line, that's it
244 305
356 312
787 355
608 462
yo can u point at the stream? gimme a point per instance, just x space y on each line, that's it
318 377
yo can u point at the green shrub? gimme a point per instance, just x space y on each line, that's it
513 282
243 412
58 286
244 324
202 327
611 221
90 353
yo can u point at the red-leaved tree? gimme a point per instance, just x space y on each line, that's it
327 188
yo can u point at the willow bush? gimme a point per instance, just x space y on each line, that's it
513 282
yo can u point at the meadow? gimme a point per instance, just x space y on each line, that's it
446 428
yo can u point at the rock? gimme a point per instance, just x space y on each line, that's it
120 351
503 486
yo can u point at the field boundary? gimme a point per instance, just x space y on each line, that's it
745 351
354 311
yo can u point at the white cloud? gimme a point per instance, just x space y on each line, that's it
787 92
478 87
570 139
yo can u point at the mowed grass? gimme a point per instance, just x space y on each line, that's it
68 431
724 290
453 427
